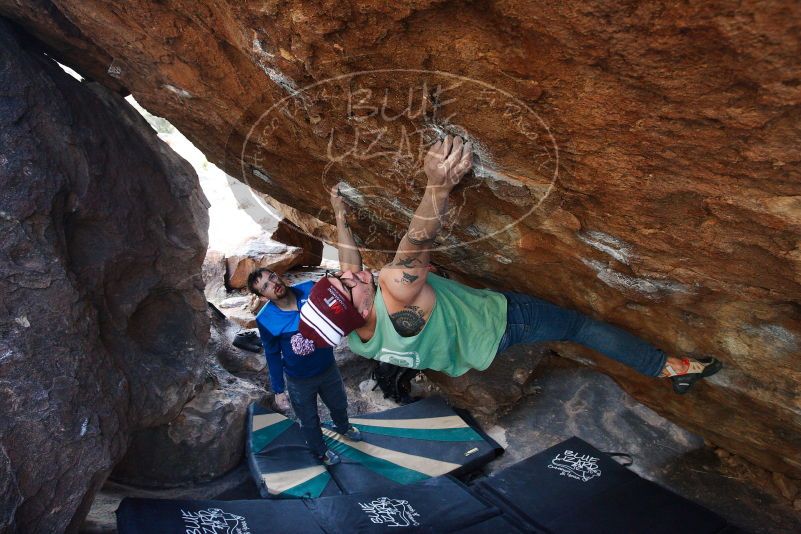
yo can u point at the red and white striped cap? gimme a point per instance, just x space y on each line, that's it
325 319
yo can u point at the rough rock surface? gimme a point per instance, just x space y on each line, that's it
214 276
10 496
205 440
289 234
103 320
258 253
240 310
571 401
498 388
637 160
242 363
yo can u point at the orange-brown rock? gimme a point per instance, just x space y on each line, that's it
638 161
289 234
256 254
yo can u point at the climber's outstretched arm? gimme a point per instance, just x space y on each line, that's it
350 259
445 165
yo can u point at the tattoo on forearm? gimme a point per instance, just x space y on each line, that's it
408 262
407 279
419 242
409 321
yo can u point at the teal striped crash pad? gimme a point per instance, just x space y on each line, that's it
401 446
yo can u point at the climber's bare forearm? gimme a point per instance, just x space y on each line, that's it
415 248
350 258
445 164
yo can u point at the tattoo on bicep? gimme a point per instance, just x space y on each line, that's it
408 262
407 279
409 321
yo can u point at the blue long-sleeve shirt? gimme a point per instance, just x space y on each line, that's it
276 328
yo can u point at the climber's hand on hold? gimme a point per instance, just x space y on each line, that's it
447 162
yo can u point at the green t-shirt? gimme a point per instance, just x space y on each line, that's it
462 333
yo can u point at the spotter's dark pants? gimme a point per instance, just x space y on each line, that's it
303 396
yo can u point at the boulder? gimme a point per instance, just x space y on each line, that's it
103 325
213 273
241 363
238 301
10 496
205 440
289 234
326 232
636 162
498 388
241 311
256 254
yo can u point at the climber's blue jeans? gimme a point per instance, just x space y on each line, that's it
532 320
303 396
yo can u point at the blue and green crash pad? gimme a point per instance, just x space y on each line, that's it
401 446
279 460
571 488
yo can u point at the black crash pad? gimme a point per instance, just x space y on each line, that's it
440 504
569 488
574 488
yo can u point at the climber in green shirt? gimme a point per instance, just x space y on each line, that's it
414 318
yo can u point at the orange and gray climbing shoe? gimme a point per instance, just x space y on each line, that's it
696 370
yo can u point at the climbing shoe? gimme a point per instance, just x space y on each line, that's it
700 368
248 340
352 434
330 458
